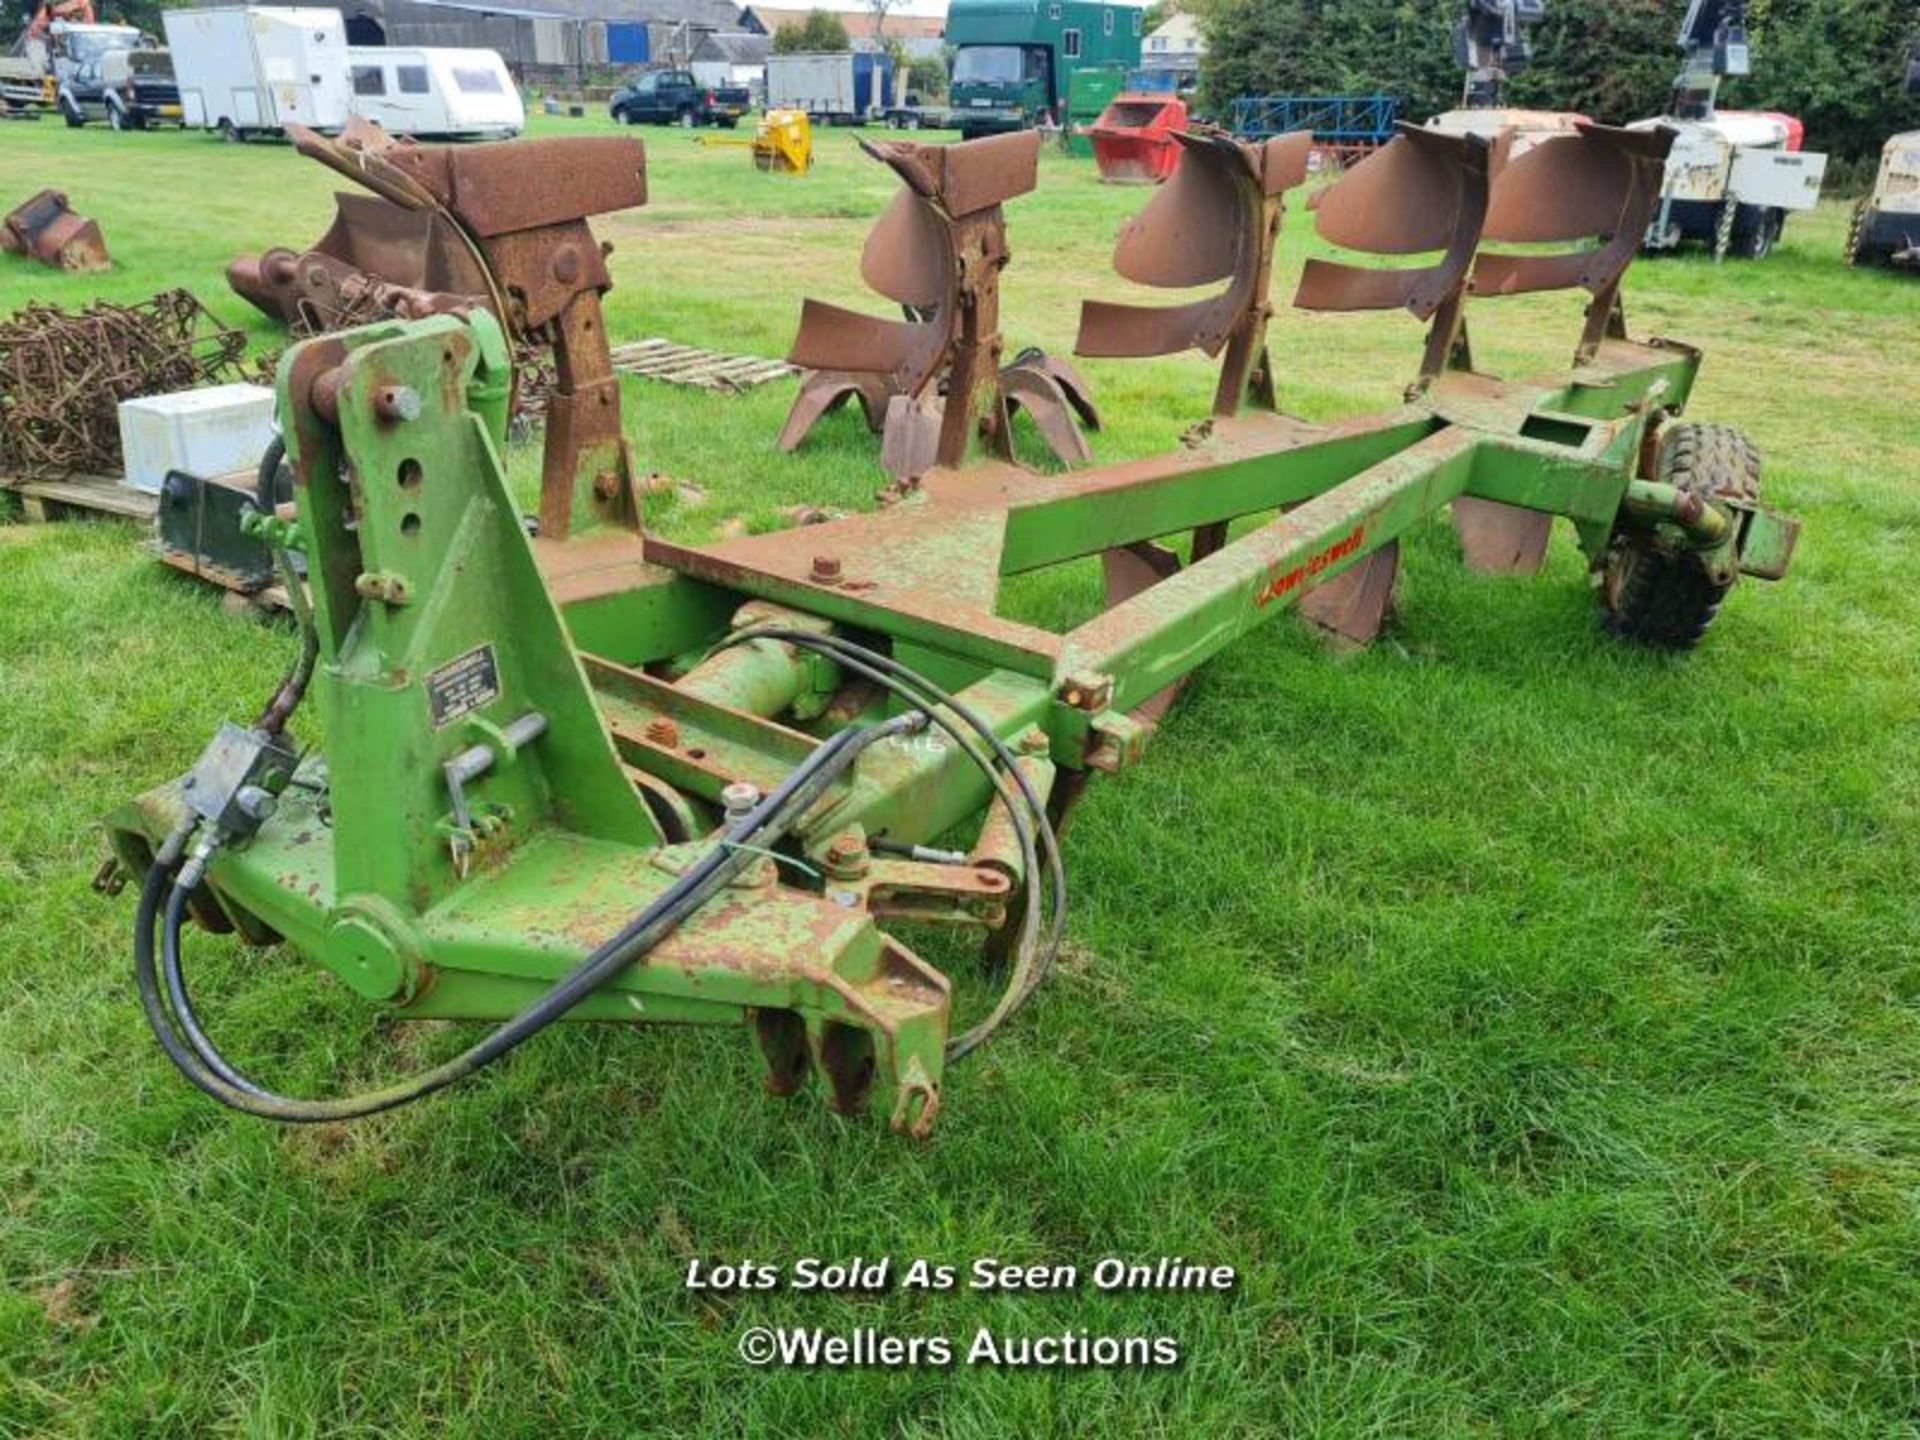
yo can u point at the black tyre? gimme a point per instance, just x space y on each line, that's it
1754 232
1664 597
72 114
1859 252
118 119
230 132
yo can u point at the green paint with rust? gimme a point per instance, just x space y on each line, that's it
437 630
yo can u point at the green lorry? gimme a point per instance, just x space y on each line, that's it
1012 58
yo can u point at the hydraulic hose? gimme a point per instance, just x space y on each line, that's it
195 1057
266 477
1034 955
293 685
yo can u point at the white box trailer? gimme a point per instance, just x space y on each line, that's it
429 92
252 69
834 89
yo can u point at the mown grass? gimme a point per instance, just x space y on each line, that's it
1532 1021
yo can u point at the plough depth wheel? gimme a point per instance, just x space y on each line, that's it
1662 594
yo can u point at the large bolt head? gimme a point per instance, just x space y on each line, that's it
397 402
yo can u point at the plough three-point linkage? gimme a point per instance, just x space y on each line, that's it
610 777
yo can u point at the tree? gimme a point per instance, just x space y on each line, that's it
927 78
821 32
1834 63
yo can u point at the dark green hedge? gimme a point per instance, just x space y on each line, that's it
1837 64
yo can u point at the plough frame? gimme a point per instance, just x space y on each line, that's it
614 723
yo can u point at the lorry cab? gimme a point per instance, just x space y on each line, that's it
434 92
1014 60
1003 87
72 45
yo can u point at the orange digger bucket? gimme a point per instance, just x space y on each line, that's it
45 229
1134 138
929 383
315 290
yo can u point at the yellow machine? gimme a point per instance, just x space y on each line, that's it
782 143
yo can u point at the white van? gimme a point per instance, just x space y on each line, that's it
443 94
250 69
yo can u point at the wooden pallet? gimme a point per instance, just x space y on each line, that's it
103 494
673 364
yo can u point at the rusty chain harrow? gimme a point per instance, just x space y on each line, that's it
64 373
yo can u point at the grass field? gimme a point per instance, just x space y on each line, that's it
1533 1022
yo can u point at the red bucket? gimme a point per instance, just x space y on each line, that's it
1133 140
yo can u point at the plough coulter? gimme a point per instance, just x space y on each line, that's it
605 776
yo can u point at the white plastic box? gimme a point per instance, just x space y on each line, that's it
203 432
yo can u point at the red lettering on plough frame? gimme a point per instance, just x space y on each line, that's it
1287 581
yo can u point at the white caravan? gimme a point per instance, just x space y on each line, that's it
251 69
437 93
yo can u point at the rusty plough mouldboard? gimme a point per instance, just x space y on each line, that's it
935 384
609 776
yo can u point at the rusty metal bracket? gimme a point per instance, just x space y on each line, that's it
933 383
501 226
45 229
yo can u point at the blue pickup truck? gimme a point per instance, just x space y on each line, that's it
674 97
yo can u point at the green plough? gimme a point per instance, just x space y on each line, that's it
608 777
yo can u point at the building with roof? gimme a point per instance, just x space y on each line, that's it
1175 45
917 24
549 39
733 58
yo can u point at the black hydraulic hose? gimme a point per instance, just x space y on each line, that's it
266 478
668 910
293 685
1035 958
197 1041
203 1066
